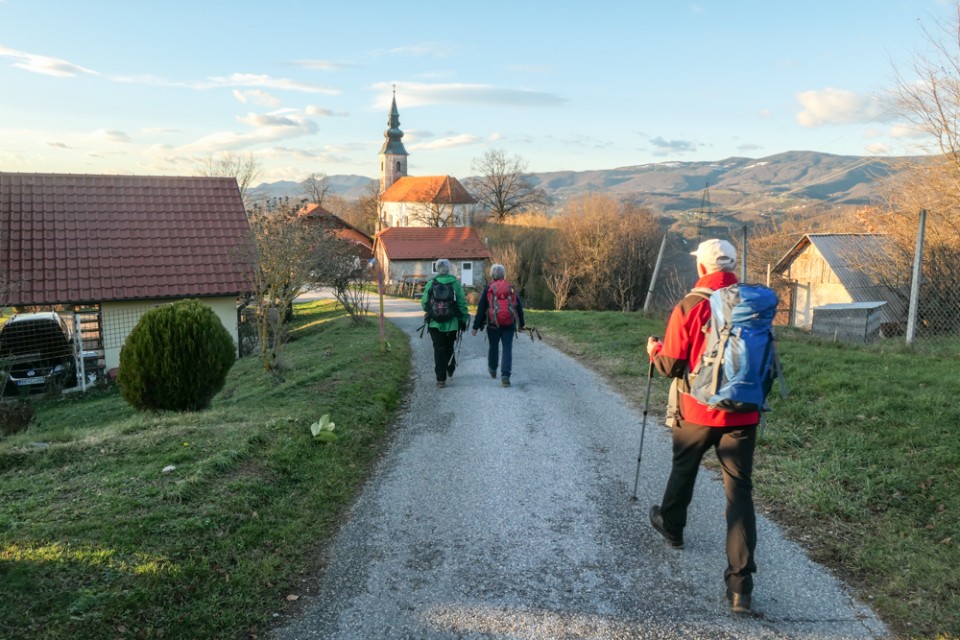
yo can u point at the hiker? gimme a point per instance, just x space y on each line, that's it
699 428
501 311
447 315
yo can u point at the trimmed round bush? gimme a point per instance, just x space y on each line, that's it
176 358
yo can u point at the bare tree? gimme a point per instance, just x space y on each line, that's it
433 214
316 187
244 168
932 104
283 251
560 281
503 187
611 247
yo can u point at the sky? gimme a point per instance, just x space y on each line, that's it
160 88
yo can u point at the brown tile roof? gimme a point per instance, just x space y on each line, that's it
428 189
421 243
68 238
341 228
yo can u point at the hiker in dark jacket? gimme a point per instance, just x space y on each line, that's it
502 330
699 428
444 332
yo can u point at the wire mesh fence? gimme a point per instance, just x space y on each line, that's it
846 286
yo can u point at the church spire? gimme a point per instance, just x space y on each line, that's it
393 157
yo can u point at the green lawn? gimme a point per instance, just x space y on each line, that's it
98 541
861 463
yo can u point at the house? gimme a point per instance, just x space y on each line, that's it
316 214
840 268
429 201
112 247
409 254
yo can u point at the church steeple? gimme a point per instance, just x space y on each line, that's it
393 157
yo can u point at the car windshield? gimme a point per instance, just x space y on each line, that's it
43 337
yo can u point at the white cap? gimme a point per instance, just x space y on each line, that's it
716 255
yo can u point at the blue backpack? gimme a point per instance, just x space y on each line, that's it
739 359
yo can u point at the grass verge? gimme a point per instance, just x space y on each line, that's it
97 540
861 463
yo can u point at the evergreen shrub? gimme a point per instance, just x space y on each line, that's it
176 357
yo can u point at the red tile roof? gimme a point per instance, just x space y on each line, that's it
428 189
341 228
68 238
421 243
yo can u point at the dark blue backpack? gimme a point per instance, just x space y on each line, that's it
740 359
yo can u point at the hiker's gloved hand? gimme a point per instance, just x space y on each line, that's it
463 325
653 345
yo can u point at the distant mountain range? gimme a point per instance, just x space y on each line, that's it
757 185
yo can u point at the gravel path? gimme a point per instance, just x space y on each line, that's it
506 513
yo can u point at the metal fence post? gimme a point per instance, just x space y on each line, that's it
915 282
656 271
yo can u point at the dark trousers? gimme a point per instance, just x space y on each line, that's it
443 360
496 336
734 447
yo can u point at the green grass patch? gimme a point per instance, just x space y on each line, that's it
861 463
97 540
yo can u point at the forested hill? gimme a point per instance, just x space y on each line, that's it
756 184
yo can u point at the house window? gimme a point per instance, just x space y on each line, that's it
433 267
398 166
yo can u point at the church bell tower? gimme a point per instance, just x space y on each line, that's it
393 157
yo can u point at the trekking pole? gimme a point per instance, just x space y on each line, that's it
643 430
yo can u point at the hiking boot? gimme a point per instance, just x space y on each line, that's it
441 384
505 381
739 602
493 373
656 519
450 371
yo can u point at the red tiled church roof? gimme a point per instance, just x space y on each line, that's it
68 238
428 189
421 243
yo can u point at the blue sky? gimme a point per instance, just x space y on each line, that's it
153 87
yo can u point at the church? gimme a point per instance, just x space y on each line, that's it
423 219
427 201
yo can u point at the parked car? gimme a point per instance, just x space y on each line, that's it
37 349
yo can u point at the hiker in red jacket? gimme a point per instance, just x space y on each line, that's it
501 312
699 428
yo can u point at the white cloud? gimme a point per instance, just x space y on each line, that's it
321 65
462 140
902 131
266 128
837 106
415 50
667 147
878 149
313 110
267 120
418 94
45 65
259 80
256 96
494 137
108 135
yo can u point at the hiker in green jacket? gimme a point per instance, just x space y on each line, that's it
445 306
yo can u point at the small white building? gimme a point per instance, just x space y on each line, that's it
109 248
